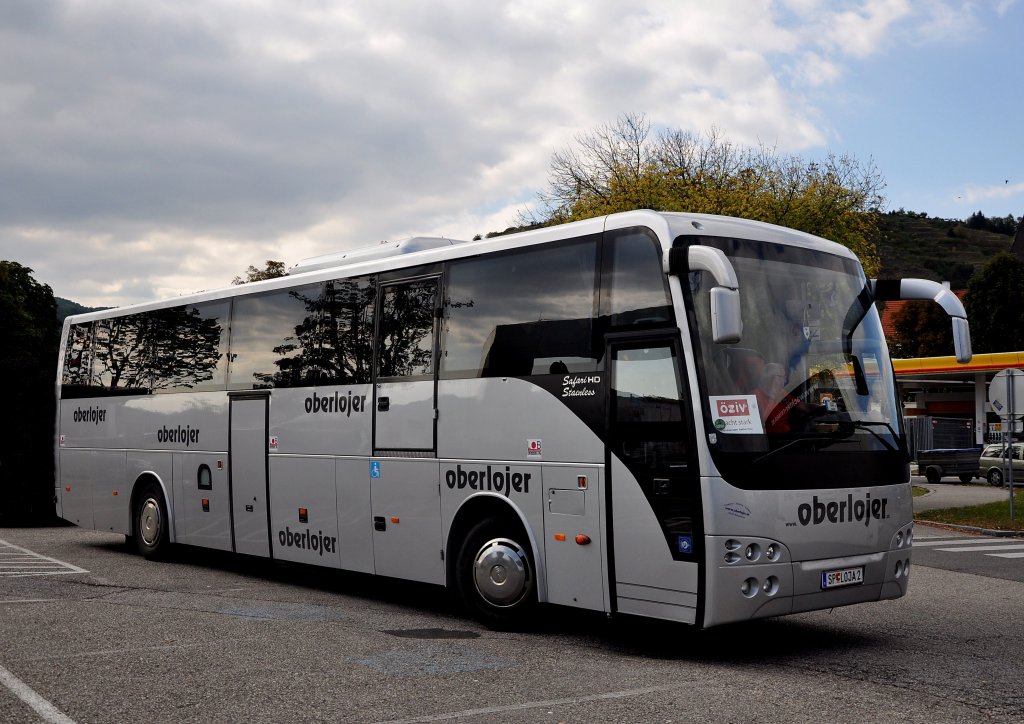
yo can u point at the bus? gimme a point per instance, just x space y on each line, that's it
678 416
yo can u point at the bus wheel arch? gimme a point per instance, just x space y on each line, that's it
150 521
493 569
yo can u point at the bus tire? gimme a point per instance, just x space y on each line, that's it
494 574
150 522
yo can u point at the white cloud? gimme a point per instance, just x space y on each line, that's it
1002 7
863 29
151 149
994 192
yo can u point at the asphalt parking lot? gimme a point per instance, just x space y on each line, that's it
211 637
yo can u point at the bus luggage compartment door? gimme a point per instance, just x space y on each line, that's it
248 456
406 507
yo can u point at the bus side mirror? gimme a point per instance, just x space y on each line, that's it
726 314
726 318
961 340
888 289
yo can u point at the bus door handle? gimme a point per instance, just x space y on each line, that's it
383 404
379 523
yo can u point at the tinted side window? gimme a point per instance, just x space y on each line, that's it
407 329
634 289
274 338
190 348
76 376
347 334
122 347
166 350
523 312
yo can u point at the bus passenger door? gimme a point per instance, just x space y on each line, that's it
405 496
656 514
250 505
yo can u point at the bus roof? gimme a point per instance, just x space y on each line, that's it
388 256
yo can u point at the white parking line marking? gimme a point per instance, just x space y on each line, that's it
1016 547
477 713
47 711
1006 555
20 562
954 541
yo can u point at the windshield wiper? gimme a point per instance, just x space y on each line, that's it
868 424
791 443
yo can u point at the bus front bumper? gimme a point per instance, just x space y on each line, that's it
740 589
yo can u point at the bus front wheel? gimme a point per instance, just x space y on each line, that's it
151 524
495 574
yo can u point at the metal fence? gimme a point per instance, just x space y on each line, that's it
925 432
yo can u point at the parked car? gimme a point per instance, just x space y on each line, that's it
993 463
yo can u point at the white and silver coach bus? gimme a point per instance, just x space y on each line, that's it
679 416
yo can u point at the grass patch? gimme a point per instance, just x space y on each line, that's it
918 491
994 516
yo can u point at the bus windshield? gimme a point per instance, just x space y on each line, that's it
811 374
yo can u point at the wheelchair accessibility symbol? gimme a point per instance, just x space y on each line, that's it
685 544
375 468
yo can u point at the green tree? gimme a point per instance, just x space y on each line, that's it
28 360
623 166
922 329
995 305
272 270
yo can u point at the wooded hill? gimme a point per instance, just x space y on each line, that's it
915 245
66 308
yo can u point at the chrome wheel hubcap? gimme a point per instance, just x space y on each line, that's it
149 522
501 573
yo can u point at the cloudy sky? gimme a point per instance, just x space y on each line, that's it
150 149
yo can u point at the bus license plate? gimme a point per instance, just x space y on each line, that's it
842 577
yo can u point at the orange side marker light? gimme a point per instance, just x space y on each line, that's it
559 536
582 539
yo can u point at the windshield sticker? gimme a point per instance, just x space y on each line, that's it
736 414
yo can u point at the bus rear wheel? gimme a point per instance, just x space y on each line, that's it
150 522
495 574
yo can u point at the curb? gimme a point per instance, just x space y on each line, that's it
972 529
